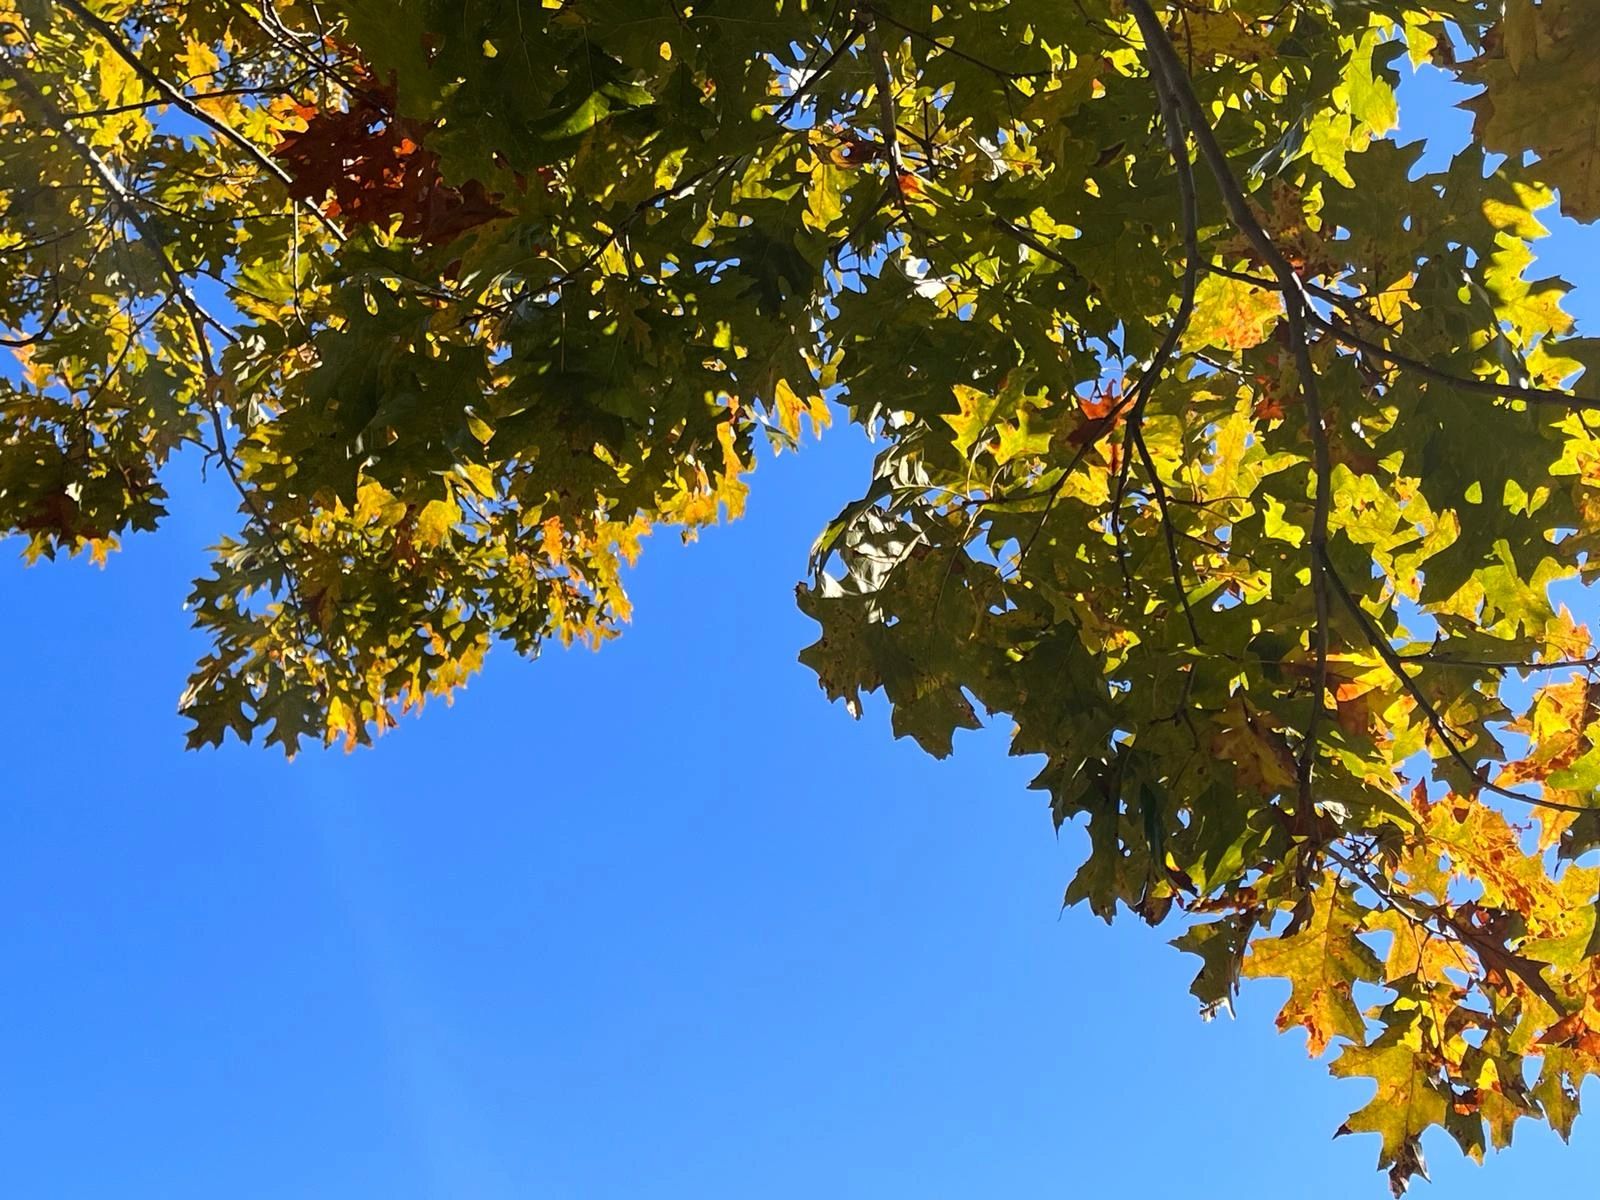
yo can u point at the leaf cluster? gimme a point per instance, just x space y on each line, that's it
1232 457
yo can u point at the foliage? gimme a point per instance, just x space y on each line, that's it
1228 454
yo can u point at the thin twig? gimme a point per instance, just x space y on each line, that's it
682 187
1028 239
954 51
1345 333
1480 387
1189 221
96 114
1560 664
813 74
187 106
1163 60
199 319
1397 667
1174 562
1449 926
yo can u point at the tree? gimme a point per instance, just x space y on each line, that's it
1227 454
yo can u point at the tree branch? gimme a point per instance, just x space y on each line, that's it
1480 387
1027 238
1397 667
187 106
96 114
1163 62
1136 433
883 76
1491 955
127 205
1344 332
951 49
815 73
1189 222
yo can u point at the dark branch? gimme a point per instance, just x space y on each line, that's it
96 114
1027 238
951 49
1449 925
1189 222
883 76
1345 333
1397 667
1170 72
186 105
813 74
127 204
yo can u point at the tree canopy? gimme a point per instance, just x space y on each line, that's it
1233 457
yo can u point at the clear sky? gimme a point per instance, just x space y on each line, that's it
653 923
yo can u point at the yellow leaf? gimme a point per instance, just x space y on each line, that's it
824 204
1409 1100
1322 961
1232 314
1261 758
792 408
1389 306
199 61
435 521
116 81
375 504
1219 35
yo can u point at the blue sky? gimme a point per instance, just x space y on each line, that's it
653 923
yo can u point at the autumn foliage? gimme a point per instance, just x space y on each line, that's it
1235 450
364 165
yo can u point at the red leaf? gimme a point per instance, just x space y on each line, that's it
368 166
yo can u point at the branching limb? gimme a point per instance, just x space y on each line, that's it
1322 463
682 187
922 35
1164 58
1481 387
127 205
1439 920
96 114
187 106
1173 79
1167 531
1189 222
815 72
1447 738
1137 396
287 40
1343 331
